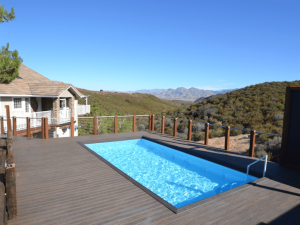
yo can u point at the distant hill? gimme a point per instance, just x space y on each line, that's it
259 107
149 91
217 93
181 93
126 103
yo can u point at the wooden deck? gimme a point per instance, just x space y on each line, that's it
60 182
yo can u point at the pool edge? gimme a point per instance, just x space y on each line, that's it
155 196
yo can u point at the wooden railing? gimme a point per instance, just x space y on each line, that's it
207 125
190 123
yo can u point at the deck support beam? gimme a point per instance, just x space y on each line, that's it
95 125
206 133
152 123
72 126
175 128
8 118
252 143
190 130
134 123
116 124
2 125
227 137
163 125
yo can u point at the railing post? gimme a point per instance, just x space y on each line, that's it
95 125
14 126
175 127
206 133
153 119
28 127
227 137
10 177
46 126
190 130
134 122
252 143
8 118
72 126
2 125
116 124
43 128
150 119
163 125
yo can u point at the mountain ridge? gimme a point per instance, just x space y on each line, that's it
181 93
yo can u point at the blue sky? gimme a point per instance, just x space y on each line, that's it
127 45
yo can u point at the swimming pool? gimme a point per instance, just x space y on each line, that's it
175 177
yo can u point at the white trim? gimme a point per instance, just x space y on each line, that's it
0 106
46 96
68 89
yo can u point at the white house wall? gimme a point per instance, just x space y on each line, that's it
5 101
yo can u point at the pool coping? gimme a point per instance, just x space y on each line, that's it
155 196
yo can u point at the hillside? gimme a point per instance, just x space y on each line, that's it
126 103
259 107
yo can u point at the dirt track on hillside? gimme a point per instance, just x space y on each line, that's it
238 143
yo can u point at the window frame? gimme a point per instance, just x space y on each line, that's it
13 104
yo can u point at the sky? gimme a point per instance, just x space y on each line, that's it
128 45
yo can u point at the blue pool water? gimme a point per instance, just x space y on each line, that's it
177 177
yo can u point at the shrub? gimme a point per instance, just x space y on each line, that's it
198 136
260 154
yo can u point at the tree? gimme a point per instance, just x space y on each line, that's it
9 60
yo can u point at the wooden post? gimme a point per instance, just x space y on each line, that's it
10 177
2 125
152 123
2 186
8 117
9 146
150 118
72 126
28 127
46 128
227 137
206 133
175 127
95 125
163 125
134 122
14 126
190 130
116 124
252 143
43 128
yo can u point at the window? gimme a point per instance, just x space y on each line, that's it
17 103
63 103
27 105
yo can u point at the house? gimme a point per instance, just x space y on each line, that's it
35 96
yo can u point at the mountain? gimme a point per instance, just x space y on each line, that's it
181 93
149 91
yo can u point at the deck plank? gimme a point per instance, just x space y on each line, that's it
60 182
